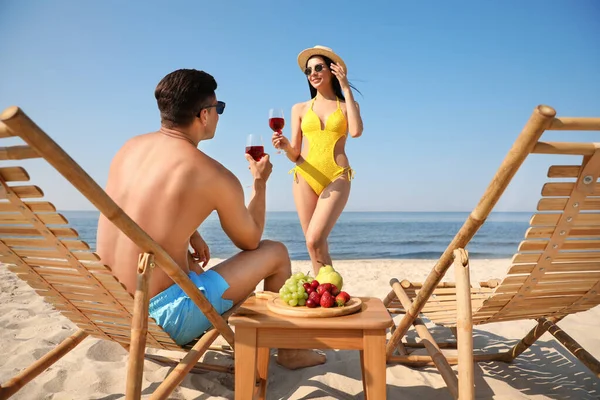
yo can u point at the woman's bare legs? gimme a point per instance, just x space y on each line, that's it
306 201
330 205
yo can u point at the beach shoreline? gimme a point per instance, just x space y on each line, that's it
96 369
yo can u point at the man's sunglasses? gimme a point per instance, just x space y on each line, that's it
220 107
318 68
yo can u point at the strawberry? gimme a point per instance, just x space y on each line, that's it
314 296
341 300
334 290
344 296
327 300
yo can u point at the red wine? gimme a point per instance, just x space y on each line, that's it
255 152
276 124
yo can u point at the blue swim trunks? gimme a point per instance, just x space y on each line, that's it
179 316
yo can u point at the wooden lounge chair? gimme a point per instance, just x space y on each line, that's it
555 272
61 268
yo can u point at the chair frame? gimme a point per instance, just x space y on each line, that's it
543 118
15 123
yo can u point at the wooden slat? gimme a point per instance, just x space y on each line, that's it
88 311
575 124
555 267
528 258
106 304
544 304
27 191
577 232
564 171
540 245
555 189
568 148
46 218
555 277
14 174
80 255
501 299
80 296
157 332
549 287
43 243
66 284
17 153
45 262
583 219
65 279
558 204
31 231
84 305
56 271
35 206
517 314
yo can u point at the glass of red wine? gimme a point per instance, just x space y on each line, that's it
276 121
255 147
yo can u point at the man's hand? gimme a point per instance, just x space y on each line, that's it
261 169
201 251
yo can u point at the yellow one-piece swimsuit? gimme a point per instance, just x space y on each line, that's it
319 168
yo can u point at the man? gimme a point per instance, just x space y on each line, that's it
169 187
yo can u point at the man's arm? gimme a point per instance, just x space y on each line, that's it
243 225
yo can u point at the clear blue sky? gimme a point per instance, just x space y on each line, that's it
446 87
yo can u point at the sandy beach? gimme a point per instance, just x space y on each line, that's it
96 369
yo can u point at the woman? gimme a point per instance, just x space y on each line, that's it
322 175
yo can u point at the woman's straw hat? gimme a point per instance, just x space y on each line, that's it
319 51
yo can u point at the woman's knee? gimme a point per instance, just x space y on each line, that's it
314 242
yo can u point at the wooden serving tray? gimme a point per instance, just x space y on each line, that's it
278 306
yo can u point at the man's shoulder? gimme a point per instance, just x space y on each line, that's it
206 170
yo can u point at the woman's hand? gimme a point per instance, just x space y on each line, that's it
201 251
340 74
280 142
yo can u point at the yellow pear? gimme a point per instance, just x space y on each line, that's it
327 274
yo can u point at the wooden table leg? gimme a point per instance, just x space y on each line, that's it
362 371
374 364
245 363
263 371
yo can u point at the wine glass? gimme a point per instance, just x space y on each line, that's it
276 121
255 146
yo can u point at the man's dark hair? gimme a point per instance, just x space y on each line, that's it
181 94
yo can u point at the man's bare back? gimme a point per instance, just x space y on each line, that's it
163 184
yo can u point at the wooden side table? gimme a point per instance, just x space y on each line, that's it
257 330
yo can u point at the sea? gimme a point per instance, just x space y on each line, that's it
364 235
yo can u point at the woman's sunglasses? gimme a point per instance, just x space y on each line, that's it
318 68
220 107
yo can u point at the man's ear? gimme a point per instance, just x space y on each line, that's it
204 117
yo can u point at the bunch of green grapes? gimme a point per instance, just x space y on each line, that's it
293 292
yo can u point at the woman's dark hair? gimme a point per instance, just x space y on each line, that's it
337 89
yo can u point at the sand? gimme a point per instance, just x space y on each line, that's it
96 369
